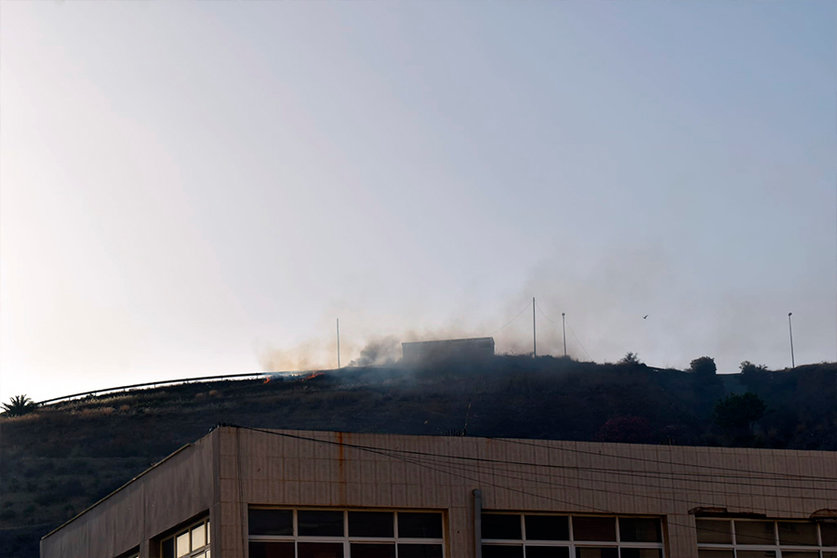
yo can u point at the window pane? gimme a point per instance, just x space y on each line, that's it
320 550
182 544
208 537
198 536
755 554
797 533
639 529
370 524
713 531
270 522
362 550
547 528
715 554
594 529
754 532
596 553
642 553
419 525
547 552
500 526
419 551
168 548
259 549
497 551
829 534
320 523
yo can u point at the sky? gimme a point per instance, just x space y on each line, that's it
196 188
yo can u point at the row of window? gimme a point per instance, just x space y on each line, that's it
288 533
518 535
190 542
743 538
284 533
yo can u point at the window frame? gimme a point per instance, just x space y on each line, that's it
778 548
346 539
571 543
204 551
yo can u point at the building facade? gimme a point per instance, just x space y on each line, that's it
245 492
476 349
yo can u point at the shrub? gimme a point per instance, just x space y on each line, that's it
739 412
630 359
703 366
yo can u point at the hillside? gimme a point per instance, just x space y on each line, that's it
59 459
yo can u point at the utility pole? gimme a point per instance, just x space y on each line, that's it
790 332
338 343
534 332
564 327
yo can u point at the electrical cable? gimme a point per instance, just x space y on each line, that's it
394 454
510 322
415 457
765 476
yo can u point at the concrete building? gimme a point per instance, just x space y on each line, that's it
243 492
433 352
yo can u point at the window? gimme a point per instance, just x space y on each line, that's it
190 542
516 535
760 538
320 533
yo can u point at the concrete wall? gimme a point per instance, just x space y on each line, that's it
232 468
179 488
445 350
292 468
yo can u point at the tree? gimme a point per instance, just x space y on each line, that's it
703 366
753 376
736 413
748 367
626 429
18 405
630 359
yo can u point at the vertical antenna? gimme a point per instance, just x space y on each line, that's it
564 327
534 332
790 332
338 343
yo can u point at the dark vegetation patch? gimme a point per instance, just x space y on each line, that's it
58 460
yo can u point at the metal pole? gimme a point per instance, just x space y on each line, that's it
338 342
564 327
534 333
790 332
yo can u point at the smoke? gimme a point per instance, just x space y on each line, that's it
638 300
314 354
379 352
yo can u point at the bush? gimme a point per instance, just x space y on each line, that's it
739 412
748 367
630 359
703 366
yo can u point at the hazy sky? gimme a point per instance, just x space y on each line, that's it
192 188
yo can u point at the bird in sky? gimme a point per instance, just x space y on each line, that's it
645 316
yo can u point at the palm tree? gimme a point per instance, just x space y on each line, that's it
18 405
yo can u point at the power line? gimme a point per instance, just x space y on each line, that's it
510 322
393 454
668 475
657 461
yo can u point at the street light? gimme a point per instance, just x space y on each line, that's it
790 332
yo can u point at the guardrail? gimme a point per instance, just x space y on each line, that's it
158 383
